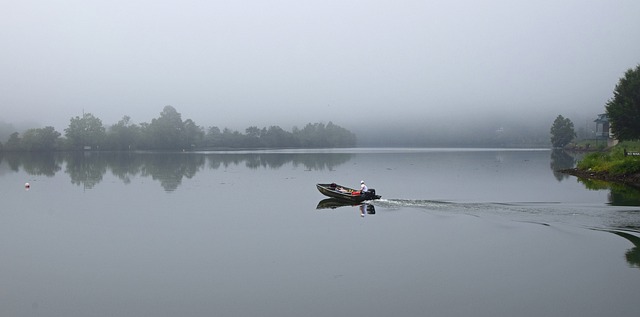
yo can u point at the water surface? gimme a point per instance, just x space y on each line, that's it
488 232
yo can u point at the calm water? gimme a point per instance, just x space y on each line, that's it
458 232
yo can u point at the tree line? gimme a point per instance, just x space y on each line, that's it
170 132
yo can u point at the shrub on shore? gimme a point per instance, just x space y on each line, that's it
613 161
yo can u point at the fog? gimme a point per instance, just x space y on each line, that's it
364 65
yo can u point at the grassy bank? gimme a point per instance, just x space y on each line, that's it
613 161
611 165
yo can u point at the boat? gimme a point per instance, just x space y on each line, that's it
334 190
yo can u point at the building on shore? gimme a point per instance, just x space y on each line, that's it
603 130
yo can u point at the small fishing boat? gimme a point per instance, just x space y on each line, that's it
334 190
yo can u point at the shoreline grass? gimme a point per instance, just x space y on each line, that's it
613 161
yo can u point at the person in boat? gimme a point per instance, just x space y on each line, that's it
363 187
335 187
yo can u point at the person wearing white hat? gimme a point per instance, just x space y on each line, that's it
363 187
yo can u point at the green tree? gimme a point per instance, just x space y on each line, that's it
231 138
623 109
322 136
562 132
124 135
85 131
276 137
166 131
213 137
312 135
43 139
192 134
169 132
253 137
145 135
339 136
14 143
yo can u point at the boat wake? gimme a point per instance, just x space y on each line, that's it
449 205
585 215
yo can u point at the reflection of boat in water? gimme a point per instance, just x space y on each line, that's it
334 190
333 203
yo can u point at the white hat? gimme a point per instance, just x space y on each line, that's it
361 182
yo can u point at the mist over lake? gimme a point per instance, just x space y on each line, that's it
458 232
169 228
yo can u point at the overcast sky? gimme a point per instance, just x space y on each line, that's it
289 62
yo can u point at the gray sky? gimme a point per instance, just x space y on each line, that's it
289 62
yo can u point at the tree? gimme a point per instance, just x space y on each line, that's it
312 135
169 132
192 134
623 109
40 139
321 136
14 142
231 138
213 137
276 137
166 131
562 132
339 136
85 131
124 135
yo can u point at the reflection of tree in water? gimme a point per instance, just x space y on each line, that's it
560 160
311 161
321 161
86 168
41 164
593 184
124 165
167 168
171 168
622 195
619 195
632 255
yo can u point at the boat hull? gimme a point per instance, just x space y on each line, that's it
346 193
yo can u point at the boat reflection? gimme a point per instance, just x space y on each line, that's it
333 203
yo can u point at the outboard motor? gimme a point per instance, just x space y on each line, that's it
370 194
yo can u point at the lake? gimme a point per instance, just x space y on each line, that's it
458 232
